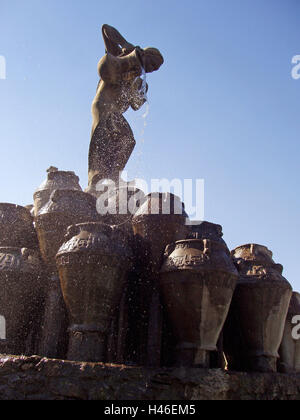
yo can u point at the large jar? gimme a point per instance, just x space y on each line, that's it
197 283
119 206
56 180
289 350
64 208
21 286
206 230
93 265
214 232
160 220
16 227
257 317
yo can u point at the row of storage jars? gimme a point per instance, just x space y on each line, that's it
201 285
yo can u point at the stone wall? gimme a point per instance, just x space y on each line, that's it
36 378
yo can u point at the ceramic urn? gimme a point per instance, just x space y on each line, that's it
197 282
160 220
259 308
56 180
214 232
21 285
64 208
120 206
93 264
16 227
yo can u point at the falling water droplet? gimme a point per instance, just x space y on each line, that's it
146 113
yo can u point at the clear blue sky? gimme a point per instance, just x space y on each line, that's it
223 107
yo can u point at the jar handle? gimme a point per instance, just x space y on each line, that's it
279 268
71 231
207 246
169 249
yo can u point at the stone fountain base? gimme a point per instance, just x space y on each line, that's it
36 378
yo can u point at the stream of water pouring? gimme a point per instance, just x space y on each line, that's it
141 130
144 93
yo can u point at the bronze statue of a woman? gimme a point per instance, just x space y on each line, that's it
120 87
